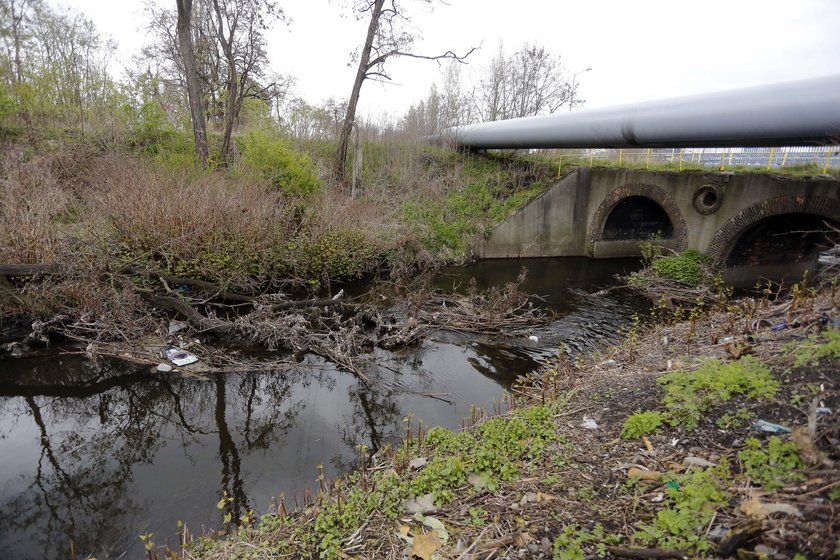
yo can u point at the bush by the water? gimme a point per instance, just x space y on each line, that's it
685 267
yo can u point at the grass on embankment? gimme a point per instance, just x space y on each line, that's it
799 170
674 465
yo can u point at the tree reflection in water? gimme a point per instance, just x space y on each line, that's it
97 424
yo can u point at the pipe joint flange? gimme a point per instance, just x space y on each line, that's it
707 199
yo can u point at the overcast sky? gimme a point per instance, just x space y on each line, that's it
638 50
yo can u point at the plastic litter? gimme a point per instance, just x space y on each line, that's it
770 427
178 356
779 326
176 326
824 410
589 423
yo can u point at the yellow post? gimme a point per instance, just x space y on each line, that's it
620 156
560 167
722 159
647 158
681 154
827 159
784 159
770 159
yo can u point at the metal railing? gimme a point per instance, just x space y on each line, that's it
722 159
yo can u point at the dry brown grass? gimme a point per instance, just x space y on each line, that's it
32 205
188 218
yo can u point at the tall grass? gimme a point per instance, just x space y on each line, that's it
32 207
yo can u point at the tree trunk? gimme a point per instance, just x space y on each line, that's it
231 105
191 77
17 22
361 74
230 113
356 188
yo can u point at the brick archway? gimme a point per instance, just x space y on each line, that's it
654 193
729 233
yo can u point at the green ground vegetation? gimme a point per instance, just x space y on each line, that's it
690 394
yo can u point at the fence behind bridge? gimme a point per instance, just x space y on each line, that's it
805 158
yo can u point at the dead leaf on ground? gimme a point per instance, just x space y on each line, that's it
755 509
696 462
522 539
425 545
643 474
417 463
421 504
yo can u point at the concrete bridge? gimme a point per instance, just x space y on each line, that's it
755 219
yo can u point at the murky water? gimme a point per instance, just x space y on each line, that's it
98 453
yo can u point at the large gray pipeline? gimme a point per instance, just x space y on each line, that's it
804 112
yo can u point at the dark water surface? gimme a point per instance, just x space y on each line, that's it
98 453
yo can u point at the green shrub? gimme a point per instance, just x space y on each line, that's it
692 500
685 267
773 464
274 159
641 423
151 134
688 394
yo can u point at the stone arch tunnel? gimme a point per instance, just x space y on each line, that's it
756 219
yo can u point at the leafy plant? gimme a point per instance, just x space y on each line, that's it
817 347
734 419
641 423
685 267
275 160
689 394
439 477
692 500
772 464
570 543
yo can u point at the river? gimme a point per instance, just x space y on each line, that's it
98 453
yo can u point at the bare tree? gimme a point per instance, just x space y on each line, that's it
454 108
191 77
539 82
528 82
239 29
491 95
387 37
229 57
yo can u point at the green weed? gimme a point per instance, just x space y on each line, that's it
439 477
641 423
685 267
689 394
818 347
570 543
735 419
274 159
771 465
692 500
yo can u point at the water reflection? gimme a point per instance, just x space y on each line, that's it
98 453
